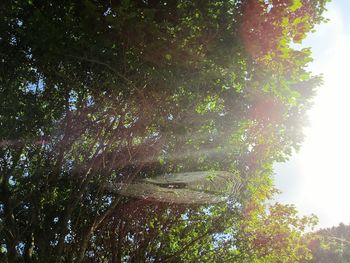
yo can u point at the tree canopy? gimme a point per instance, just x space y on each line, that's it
331 244
97 94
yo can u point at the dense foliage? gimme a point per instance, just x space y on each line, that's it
331 245
99 93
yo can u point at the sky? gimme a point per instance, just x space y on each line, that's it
317 178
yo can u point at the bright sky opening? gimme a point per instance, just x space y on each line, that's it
317 179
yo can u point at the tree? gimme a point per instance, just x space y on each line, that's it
331 244
97 94
275 234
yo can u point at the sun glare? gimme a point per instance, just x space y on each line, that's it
324 159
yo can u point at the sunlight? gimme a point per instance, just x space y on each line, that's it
147 131
323 161
325 155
